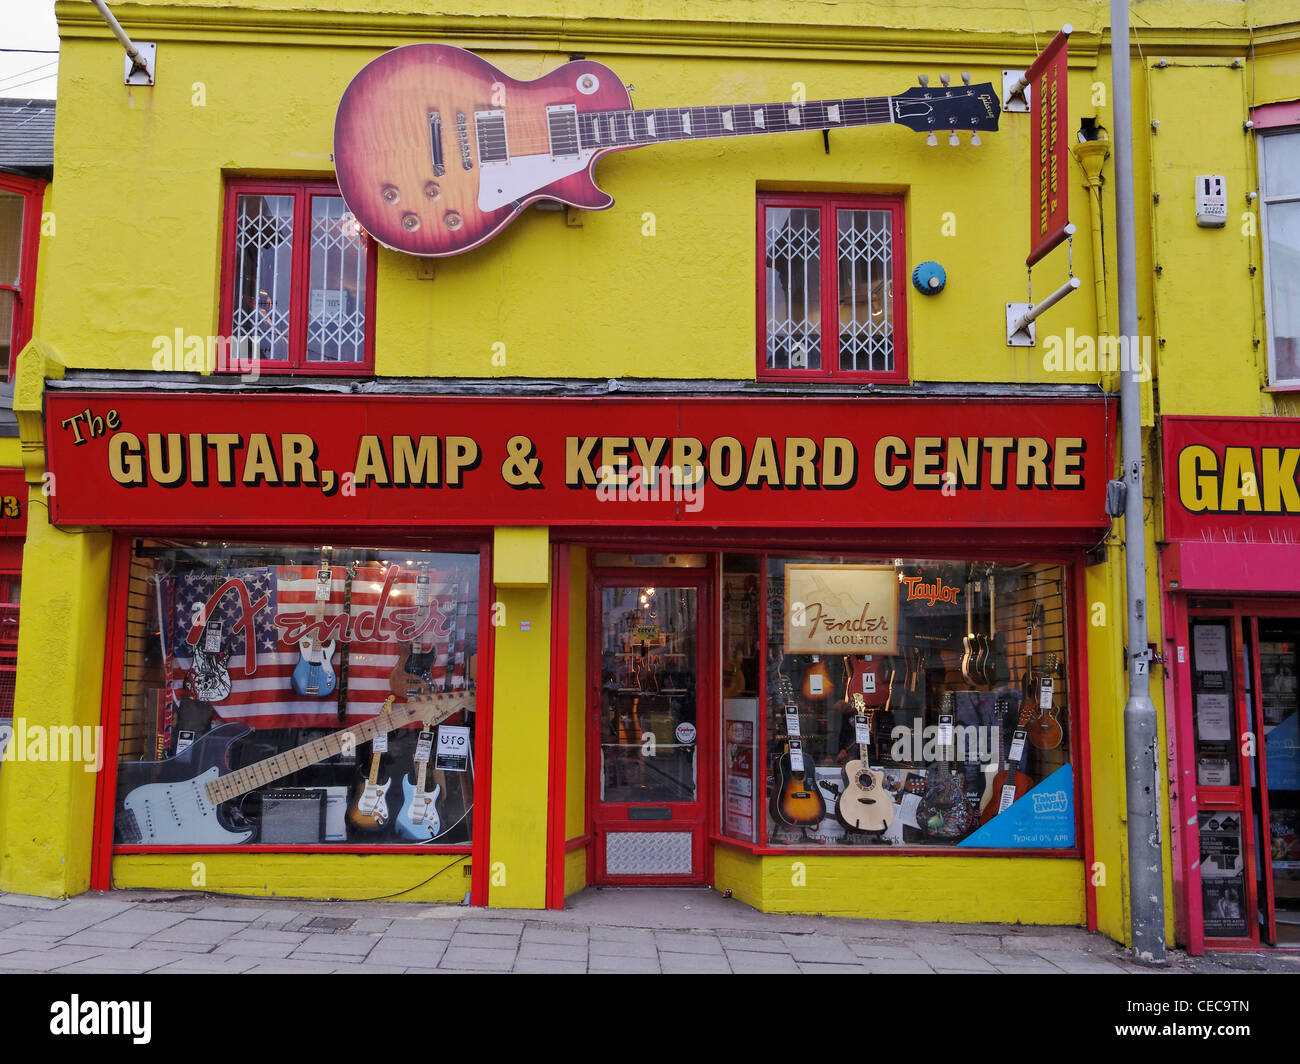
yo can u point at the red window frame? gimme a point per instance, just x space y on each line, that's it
33 192
296 363
828 204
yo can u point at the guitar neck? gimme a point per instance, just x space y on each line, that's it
638 129
243 780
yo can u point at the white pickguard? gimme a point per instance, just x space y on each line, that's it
372 800
180 814
315 653
505 182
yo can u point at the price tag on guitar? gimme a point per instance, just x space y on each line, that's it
792 721
323 577
424 746
212 638
379 744
861 731
796 755
1046 689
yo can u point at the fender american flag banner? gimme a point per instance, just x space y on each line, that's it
264 642
1049 174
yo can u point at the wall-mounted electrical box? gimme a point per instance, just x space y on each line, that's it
1211 201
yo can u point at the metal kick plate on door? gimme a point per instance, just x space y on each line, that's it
659 813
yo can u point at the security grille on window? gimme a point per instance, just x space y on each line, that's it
802 288
298 279
1279 155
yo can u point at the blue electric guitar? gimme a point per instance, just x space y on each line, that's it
418 819
313 676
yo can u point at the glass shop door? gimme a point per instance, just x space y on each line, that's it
650 686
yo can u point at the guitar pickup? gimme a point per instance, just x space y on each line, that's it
435 144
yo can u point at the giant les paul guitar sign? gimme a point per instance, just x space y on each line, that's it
437 151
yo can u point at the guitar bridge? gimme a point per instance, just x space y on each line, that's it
435 144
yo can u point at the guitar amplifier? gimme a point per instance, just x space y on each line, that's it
293 815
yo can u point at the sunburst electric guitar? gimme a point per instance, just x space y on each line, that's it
437 150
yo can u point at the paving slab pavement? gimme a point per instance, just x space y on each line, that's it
610 931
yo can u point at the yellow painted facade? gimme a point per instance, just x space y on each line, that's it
660 286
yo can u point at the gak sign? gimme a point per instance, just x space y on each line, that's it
203 461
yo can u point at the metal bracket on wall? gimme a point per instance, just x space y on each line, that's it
140 71
1015 92
1021 316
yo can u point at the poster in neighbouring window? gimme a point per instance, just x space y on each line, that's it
1210 647
1223 883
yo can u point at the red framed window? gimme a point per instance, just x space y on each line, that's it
297 289
831 258
20 231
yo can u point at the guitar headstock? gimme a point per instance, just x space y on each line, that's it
969 108
435 708
859 705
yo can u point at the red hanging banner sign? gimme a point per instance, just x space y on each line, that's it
1049 186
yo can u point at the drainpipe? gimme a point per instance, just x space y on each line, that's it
1146 887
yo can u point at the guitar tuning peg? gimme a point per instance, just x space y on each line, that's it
932 140
975 141
952 139
924 79
965 77
944 79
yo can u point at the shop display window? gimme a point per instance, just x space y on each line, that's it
297 696
298 285
830 295
896 703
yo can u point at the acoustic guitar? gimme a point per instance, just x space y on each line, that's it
816 681
863 804
1010 785
437 151
944 812
1044 727
796 799
867 677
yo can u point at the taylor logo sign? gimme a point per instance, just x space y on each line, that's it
207 461
841 609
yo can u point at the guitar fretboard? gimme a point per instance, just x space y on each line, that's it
636 128
433 709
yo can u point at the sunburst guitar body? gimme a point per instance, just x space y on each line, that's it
437 150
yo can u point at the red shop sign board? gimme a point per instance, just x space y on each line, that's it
261 461
1049 163
1232 480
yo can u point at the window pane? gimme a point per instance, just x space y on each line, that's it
11 236
267 667
1281 164
793 287
1284 285
7 299
336 310
263 274
866 290
959 737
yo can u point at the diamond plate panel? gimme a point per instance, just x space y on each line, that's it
648 853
